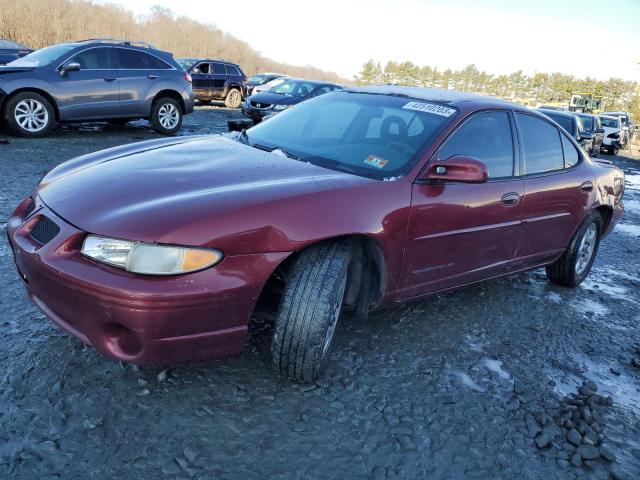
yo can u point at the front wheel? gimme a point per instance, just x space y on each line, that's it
574 265
29 114
309 311
166 116
233 99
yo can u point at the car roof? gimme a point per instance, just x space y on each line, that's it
451 97
194 59
557 113
312 82
602 115
583 114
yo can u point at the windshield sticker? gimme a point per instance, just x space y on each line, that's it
376 162
430 108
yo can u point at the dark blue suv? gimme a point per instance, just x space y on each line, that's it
94 80
215 80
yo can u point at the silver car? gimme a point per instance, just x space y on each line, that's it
94 80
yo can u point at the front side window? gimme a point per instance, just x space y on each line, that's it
541 145
202 68
376 136
487 137
93 59
135 60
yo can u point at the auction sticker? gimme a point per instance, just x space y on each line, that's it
376 162
430 108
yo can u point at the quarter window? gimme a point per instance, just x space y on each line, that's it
541 144
134 60
571 155
487 137
232 70
93 59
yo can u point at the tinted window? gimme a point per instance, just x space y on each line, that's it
372 135
487 137
232 70
218 69
93 59
541 144
134 60
564 121
587 122
571 155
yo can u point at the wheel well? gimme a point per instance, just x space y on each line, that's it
171 94
46 95
365 282
607 214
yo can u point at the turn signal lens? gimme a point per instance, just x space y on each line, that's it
149 258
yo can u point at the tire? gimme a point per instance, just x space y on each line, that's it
233 98
166 116
574 265
29 114
309 311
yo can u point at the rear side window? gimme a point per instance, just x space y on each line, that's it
218 69
134 60
93 59
232 70
571 155
487 137
541 144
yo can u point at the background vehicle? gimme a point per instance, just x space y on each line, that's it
593 125
364 198
260 79
10 51
585 102
283 96
627 127
215 80
94 80
612 127
573 125
270 85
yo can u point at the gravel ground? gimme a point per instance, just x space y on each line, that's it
483 382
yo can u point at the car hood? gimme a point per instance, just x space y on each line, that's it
6 69
184 191
275 98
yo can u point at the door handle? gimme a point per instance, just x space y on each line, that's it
510 199
586 186
109 79
151 76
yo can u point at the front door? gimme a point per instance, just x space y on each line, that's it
201 81
91 92
218 80
458 232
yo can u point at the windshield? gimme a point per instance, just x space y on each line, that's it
44 56
563 121
187 63
256 79
10 45
295 88
610 122
377 136
587 122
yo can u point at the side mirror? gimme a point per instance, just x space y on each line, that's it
586 136
458 168
69 67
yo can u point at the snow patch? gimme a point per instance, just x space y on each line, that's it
468 382
628 229
495 366
586 305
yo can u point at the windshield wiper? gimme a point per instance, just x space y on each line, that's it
273 149
243 137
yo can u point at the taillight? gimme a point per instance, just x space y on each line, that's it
187 77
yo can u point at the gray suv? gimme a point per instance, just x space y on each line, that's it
94 80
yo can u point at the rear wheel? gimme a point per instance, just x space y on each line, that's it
233 99
309 311
166 116
29 114
575 264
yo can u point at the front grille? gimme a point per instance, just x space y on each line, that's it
30 208
44 230
260 105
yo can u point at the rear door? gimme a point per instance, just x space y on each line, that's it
461 232
91 92
138 74
218 80
555 191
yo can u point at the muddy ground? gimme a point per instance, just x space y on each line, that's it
460 385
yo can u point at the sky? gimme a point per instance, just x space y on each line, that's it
597 38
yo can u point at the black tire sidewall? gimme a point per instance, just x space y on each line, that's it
13 125
155 121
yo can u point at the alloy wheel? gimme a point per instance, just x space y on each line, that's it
586 248
168 116
31 115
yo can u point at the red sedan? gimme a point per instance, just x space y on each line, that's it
159 252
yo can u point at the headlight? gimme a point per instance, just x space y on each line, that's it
278 108
149 258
